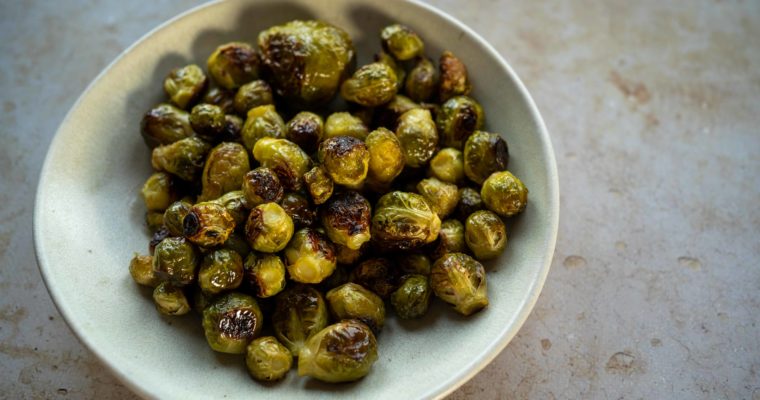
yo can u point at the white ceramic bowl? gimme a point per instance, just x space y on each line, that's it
89 218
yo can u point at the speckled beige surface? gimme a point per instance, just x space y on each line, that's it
653 109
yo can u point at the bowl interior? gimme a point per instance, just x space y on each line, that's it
89 217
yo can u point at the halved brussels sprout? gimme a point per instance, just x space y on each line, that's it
225 167
448 165
450 239
235 204
414 263
141 269
442 197
306 129
233 64
504 194
412 298
460 280
454 79
319 184
265 274
485 234
268 360
175 259
285 158
184 158
418 136
404 221
299 209
185 85
344 124
252 95
352 301
460 117
269 228
208 224
208 121
402 42
310 257
346 159
170 299
386 157
371 85
221 271
262 185
377 275
231 322
300 312
341 352
262 121
165 124
220 97
346 218
158 191
422 81
469 202
484 154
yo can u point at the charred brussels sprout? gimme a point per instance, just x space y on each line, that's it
175 259
346 159
448 165
454 79
442 197
459 118
221 97
386 157
371 85
262 121
484 154
422 81
504 194
235 204
175 215
265 274
451 239
208 121
352 301
399 70
299 209
233 64
141 269
418 136
402 42
307 59
208 224
345 124
267 360
469 202
285 158
346 218
221 271
319 184
306 129
459 280
377 275
310 257
165 124
269 228
225 167
341 352
185 85
183 158
252 95
404 221
170 299
262 186
231 322
158 191
415 263
300 312
485 234
412 298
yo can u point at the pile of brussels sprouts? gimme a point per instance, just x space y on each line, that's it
273 228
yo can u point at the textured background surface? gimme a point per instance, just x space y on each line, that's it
653 109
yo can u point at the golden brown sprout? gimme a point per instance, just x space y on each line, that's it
484 154
442 197
306 129
231 321
262 121
386 157
165 124
454 79
418 136
346 219
170 299
319 184
299 209
459 280
262 185
208 121
346 160
208 224
233 64
422 81
459 117
265 274
141 269
285 158
269 228
504 194
448 165
352 301
184 158
371 85
185 85
310 257
221 271
267 360
226 165
251 95
404 221
341 352
345 124
485 234
158 191
402 42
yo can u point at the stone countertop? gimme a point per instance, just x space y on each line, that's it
653 110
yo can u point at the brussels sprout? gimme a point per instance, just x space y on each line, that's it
238 244
377 275
265 274
233 64
267 360
170 299
235 204
310 257
319 184
306 129
341 352
412 298
352 301
447 165
208 224
165 124
183 158
221 271
469 202
386 157
414 263
459 117
422 81
225 167
459 280
418 136
346 159
346 218
388 115
158 191
285 158
231 322
262 121
347 255
404 221
398 69
175 259
220 97
141 269
504 194
185 85
262 185
484 154
454 80
485 234
300 312
402 42
345 124
307 59
450 239
442 197
252 95
207 121
371 85
269 228
299 209
175 215
154 220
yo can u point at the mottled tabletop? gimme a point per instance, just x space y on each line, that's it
653 109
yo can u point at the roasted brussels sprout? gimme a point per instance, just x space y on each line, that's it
208 121
422 81
300 311
285 158
262 185
252 95
221 271
185 85
310 257
469 202
299 209
170 299
414 263
404 221
504 194
346 159
269 228
238 244
141 269
412 298
235 204
220 97
371 85
231 322
459 280
459 117
398 69
233 64
450 239
267 360
165 124
454 79
307 59
388 115
402 42
341 352
225 167
319 184
386 157
158 192
346 218
377 275
485 234
418 136
183 158
448 165
306 129
208 224
262 121
442 197
265 274
352 301
175 259
484 154
345 124
174 217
